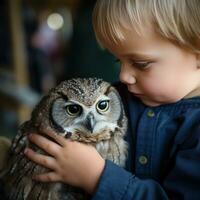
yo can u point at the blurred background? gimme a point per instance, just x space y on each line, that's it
43 42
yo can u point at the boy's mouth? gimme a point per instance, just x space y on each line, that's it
134 93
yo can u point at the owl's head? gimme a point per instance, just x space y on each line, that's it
87 106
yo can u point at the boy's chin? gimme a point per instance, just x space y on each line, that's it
151 103
154 103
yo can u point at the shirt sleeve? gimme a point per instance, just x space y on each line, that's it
182 181
118 184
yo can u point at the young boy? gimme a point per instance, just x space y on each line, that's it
158 45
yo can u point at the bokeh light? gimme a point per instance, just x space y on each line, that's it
55 21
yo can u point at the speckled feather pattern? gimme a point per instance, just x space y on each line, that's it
77 88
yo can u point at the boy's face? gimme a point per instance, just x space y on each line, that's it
155 70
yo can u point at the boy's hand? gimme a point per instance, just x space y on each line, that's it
70 162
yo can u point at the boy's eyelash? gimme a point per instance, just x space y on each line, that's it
141 64
137 63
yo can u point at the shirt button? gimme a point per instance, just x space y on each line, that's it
150 113
143 160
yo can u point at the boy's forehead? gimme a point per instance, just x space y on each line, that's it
131 36
127 31
138 46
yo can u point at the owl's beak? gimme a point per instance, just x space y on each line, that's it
90 122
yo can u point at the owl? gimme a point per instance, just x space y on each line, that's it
87 110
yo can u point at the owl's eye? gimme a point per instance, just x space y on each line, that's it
73 110
103 106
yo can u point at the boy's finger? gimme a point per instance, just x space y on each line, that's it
43 160
45 144
47 177
58 138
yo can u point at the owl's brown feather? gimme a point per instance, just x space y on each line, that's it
107 139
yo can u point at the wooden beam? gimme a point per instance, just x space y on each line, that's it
19 52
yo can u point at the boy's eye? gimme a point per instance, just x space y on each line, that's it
141 64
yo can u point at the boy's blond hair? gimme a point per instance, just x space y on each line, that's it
176 20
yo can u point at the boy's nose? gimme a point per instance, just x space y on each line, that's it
126 76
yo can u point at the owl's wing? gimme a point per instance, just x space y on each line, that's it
20 141
17 175
5 144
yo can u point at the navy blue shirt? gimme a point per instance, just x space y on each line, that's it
164 153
